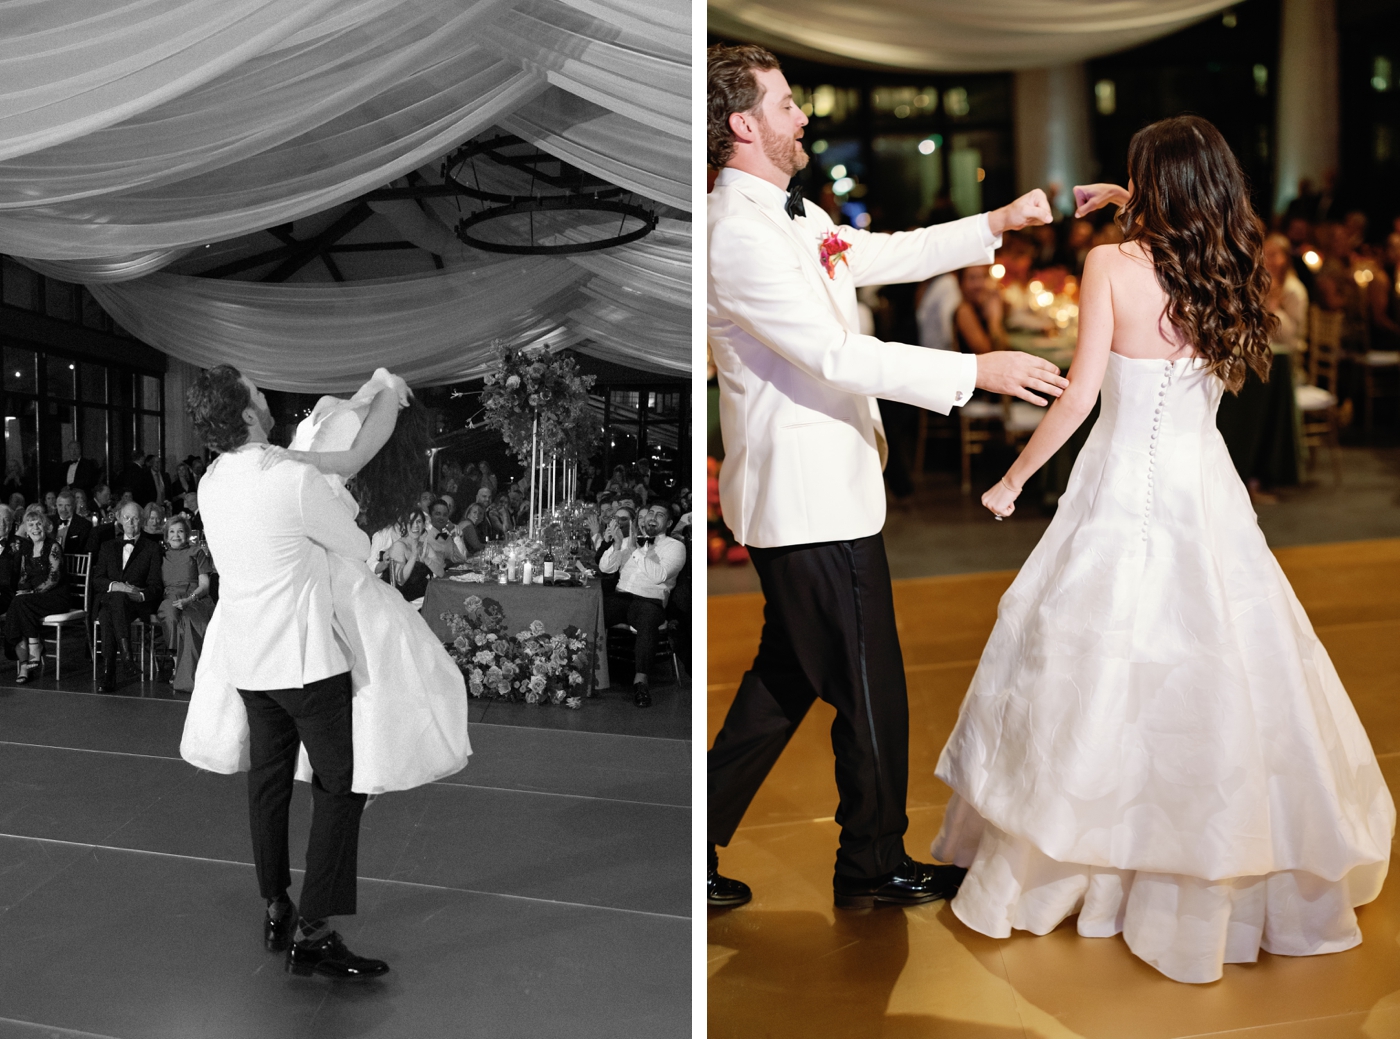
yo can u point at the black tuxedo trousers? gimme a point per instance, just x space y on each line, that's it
828 632
317 715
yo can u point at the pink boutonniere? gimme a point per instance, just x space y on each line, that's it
833 248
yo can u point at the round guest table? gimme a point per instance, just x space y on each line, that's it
555 606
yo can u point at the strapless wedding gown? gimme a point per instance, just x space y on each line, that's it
409 712
1155 739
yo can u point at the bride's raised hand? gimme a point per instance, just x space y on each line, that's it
1091 197
1001 499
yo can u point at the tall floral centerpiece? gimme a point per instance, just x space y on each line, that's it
538 402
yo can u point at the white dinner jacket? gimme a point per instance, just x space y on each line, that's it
797 380
268 531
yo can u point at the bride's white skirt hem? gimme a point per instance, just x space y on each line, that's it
1186 927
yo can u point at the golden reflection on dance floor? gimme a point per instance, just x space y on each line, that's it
788 964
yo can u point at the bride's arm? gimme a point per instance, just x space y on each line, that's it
1086 373
374 433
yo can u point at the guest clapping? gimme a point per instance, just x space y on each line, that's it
647 564
412 563
444 539
42 589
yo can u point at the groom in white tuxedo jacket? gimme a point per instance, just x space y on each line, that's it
801 484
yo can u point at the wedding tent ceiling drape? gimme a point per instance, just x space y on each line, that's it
133 131
955 35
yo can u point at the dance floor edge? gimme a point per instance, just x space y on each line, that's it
789 964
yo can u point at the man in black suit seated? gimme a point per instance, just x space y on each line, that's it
75 470
126 584
73 530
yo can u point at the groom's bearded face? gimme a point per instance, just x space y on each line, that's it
783 149
779 122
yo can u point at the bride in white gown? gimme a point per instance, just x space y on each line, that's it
409 712
1155 739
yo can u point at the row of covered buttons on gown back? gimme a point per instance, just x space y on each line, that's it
1152 443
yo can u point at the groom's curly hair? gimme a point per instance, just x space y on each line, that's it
731 87
215 404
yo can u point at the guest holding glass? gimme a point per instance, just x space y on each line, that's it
42 589
186 607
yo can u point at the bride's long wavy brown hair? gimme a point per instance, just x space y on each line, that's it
1190 208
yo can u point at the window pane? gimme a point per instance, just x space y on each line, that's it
150 392
21 285
120 383
63 377
120 454
60 424
94 437
58 300
93 314
20 370
150 435
22 443
92 382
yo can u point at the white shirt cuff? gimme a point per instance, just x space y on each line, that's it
967 380
990 240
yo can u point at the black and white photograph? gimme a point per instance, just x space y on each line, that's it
345 541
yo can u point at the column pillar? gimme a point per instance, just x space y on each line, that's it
1052 130
1308 108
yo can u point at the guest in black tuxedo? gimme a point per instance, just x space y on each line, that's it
75 470
42 589
100 508
74 532
126 584
137 479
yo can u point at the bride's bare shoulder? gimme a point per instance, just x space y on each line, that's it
1120 256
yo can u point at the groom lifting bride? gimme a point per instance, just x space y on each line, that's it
801 485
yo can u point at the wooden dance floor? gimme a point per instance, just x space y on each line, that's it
788 964
545 890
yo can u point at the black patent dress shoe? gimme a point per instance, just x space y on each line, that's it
724 892
330 958
641 695
277 934
911 884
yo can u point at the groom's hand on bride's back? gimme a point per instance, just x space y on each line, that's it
1021 374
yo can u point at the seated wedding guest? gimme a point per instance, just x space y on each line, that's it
488 477
468 482
51 505
412 563
500 516
16 503
41 589
938 301
977 323
9 558
191 511
451 503
443 539
153 524
186 606
126 584
80 504
379 544
198 465
518 501
73 530
473 528
425 502
183 483
101 503
647 563
1384 298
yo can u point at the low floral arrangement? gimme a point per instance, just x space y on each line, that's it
531 666
531 382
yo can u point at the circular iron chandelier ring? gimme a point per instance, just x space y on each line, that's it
592 203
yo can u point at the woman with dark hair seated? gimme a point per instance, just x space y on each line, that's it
42 589
412 564
409 709
185 608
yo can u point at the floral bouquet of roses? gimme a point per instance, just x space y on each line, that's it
530 384
531 666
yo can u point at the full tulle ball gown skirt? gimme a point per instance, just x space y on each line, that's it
409 707
1155 739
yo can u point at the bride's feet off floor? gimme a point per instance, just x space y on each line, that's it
912 883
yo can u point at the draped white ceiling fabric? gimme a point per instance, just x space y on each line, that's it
134 131
630 304
955 35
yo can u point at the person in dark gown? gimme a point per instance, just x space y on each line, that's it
9 557
42 589
187 606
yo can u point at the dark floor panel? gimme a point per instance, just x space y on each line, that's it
147 947
28 1030
589 850
510 756
27 865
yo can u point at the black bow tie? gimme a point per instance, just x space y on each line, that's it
644 540
795 207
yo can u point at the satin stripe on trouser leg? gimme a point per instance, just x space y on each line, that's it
828 632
